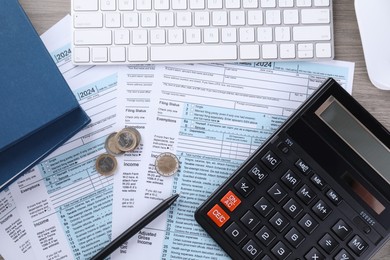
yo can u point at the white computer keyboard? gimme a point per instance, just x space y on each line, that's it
173 31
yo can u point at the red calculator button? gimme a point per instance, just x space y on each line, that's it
231 201
218 215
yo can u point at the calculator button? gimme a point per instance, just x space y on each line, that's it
263 206
279 222
292 208
271 160
235 233
251 249
308 223
314 254
290 179
283 147
230 200
341 229
333 197
281 251
302 166
265 236
244 187
294 237
321 209
250 220
343 255
277 193
328 243
266 257
306 194
257 174
357 245
318 181
218 215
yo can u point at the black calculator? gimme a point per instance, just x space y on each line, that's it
318 188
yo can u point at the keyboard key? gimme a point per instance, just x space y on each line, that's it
357 245
250 220
281 251
306 194
308 223
315 16
292 208
269 51
125 5
343 255
143 4
321 209
294 237
263 206
214 4
85 5
265 235
161 4
257 174
314 254
279 222
235 233
287 51
218 215
311 33
328 243
231 201
118 54
271 160
323 50
88 20
251 249
244 187
99 54
277 193
341 229
197 4
81 54
193 53
108 5
290 179
137 53
92 37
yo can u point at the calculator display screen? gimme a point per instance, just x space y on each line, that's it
356 135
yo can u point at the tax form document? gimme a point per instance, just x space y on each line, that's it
15 242
212 116
63 202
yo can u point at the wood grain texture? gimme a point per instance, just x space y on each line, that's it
45 13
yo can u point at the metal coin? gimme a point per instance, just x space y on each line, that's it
111 146
106 164
127 139
167 164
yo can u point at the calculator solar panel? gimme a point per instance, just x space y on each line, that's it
312 191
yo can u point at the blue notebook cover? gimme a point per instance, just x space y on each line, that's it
38 111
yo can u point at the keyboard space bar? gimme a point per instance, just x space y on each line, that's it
193 53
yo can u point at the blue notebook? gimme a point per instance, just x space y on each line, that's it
38 111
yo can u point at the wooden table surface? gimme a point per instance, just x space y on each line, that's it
45 13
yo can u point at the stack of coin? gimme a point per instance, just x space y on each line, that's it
125 140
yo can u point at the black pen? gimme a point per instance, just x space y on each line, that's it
131 231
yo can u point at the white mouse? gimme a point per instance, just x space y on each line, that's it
373 18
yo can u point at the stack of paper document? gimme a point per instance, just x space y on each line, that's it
211 116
